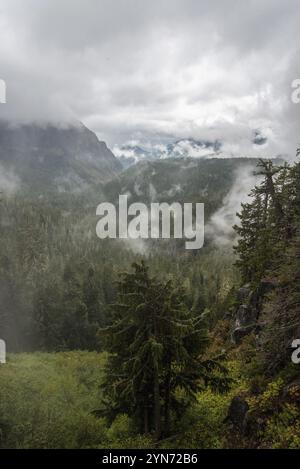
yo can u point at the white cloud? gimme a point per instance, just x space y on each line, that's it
220 225
160 70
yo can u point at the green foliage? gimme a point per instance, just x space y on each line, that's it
269 247
156 345
47 401
57 281
121 428
274 416
57 278
204 422
52 401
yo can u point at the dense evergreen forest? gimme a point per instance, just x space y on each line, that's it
127 346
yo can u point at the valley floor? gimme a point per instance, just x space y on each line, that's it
53 400
50 400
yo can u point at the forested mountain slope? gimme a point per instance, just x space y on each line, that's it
55 158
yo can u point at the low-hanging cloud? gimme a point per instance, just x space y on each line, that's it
220 226
9 181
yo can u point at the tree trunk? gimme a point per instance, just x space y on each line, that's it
157 417
167 400
146 419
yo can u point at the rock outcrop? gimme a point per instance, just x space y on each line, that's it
249 304
237 412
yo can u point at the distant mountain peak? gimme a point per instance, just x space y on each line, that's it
132 153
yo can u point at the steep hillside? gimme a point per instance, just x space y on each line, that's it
181 180
54 158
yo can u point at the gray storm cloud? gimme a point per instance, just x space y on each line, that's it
171 69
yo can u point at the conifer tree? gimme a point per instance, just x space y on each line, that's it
156 345
263 224
269 245
281 313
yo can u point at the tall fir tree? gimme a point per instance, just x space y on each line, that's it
156 345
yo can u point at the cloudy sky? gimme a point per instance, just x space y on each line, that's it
156 71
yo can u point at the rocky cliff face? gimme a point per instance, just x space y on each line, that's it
55 158
249 305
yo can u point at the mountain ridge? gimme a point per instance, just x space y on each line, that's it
55 158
